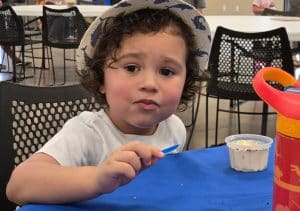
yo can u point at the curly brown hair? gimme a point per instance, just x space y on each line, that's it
143 21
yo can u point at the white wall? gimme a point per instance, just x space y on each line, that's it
233 7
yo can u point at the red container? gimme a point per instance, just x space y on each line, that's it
286 193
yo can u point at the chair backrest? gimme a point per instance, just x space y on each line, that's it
236 57
29 117
63 28
11 27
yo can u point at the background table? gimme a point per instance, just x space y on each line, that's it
192 180
238 23
37 10
256 24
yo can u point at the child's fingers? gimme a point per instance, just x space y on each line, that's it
125 163
129 157
155 155
126 172
143 151
114 174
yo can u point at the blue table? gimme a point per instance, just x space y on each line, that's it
192 180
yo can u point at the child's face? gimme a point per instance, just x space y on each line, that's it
145 85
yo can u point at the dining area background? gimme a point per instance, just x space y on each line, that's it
228 122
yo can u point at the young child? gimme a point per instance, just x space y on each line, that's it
143 60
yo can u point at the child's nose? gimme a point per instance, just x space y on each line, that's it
149 81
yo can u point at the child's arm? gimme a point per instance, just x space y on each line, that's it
257 10
41 179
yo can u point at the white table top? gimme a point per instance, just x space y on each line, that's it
37 10
238 23
257 24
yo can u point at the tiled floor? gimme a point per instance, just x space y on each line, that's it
227 123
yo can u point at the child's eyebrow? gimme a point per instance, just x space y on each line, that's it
173 62
164 59
131 55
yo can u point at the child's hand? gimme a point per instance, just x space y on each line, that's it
124 164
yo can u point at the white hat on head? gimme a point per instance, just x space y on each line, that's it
189 14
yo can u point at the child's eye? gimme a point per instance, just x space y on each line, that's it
166 72
132 68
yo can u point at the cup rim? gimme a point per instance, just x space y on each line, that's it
267 141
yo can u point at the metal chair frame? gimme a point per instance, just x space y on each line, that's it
235 58
29 117
12 34
74 27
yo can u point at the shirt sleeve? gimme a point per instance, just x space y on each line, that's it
178 131
76 144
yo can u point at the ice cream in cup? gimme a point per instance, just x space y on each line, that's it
248 152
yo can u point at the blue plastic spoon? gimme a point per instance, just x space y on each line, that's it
170 149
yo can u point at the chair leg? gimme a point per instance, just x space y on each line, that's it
23 61
64 67
239 116
192 114
264 119
40 77
14 78
43 66
217 121
52 63
194 119
33 60
206 121
7 59
2 60
43 55
45 50
231 103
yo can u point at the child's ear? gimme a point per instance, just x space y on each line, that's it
102 89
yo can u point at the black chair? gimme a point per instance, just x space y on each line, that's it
29 117
270 12
32 31
235 58
12 34
63 28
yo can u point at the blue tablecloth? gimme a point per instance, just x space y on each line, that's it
192 180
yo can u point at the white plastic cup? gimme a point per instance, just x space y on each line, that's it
248 152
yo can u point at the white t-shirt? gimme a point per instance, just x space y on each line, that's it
90 137
264 3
